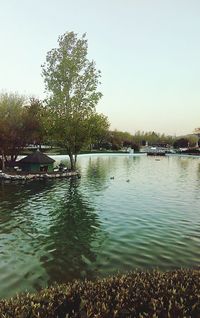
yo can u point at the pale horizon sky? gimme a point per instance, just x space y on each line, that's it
147 50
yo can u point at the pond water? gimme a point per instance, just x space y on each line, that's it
125 212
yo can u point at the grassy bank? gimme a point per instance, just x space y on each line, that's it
138 294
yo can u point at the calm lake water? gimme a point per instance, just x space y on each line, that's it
147 216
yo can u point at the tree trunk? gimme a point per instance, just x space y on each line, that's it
3 160
13 158
72 161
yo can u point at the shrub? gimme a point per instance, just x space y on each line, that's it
136 294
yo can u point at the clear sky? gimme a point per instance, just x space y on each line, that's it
148 52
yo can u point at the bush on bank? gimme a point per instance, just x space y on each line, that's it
140 294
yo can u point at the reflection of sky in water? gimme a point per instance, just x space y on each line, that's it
124 212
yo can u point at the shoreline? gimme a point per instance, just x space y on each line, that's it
37 176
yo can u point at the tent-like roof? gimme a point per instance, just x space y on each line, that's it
37 157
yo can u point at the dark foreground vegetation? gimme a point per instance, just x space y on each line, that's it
137 294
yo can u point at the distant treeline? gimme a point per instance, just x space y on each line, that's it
116 140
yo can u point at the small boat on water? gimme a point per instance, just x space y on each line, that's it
155 151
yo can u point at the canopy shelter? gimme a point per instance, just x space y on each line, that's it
37 162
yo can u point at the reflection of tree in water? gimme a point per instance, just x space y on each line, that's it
183 163
187 167
198 171
99 171
13 193
129 162
14 197
68 249
50 227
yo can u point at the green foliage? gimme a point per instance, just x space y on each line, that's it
117 139
197 132
34 118
99 128
193 140
20 124
71 83
11 124
153 139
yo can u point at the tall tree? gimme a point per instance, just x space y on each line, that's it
72 86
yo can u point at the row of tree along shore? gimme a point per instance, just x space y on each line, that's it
28 125
67 118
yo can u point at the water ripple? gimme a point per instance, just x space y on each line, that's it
58 230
